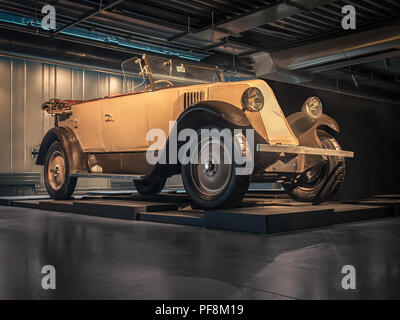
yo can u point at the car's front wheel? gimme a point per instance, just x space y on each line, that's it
319 183
59 184
210 177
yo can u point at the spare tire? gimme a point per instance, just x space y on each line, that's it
150 186
319 183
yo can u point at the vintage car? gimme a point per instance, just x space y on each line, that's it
110 137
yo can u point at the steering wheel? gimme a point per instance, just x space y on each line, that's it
169 83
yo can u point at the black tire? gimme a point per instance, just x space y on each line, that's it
230 188
59 184
320 183
151 186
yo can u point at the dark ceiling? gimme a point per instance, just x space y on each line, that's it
225 33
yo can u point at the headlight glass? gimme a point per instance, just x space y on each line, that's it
252 100
312 108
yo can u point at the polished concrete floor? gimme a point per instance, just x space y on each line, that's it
99 258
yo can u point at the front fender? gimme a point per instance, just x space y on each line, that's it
76 157
306 133
203 114
306 130
221 111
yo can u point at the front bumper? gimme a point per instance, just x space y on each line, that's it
291 149
278 163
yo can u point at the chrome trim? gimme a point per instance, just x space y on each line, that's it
304 150
107 175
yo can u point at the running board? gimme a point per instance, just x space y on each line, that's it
304 150
107 175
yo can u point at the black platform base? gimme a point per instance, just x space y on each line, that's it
264 213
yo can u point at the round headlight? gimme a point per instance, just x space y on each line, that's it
312 108
252 100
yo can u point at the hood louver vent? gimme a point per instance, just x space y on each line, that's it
191 98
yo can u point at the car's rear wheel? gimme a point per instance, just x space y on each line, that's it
210 177
152 185
59 184
321 182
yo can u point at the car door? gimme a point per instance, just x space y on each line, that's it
86 122
125 123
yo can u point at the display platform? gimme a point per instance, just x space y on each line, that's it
260 212
390 200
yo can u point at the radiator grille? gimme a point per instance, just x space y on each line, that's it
191 98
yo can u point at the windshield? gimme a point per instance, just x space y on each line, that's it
151 69
183 72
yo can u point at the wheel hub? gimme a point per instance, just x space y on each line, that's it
211 175
313 174
210 169
56 172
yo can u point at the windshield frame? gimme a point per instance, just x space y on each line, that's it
145 65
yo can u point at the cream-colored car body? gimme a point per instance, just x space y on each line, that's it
110 135
120 123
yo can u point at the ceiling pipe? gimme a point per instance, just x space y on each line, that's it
291 65
346 92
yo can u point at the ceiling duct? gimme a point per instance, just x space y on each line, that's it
291 65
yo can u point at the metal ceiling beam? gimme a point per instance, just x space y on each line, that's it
362 6
89 15
256 18
384 8
393 3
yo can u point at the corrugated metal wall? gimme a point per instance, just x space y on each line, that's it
24 86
